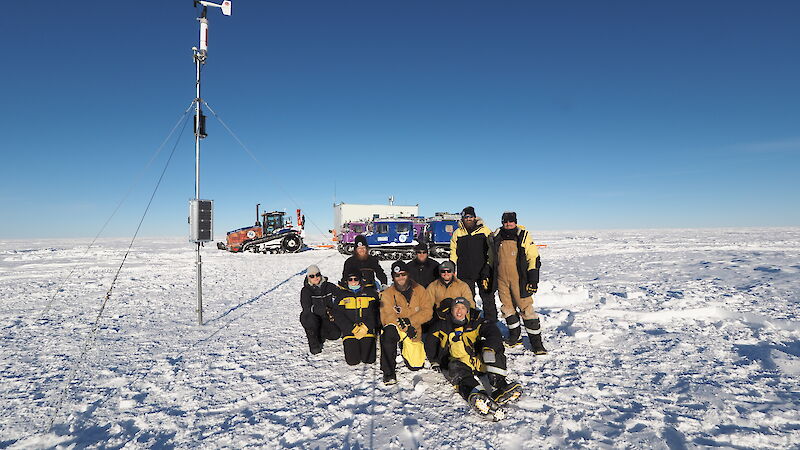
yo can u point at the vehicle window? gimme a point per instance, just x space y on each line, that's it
358 228
382 228
403 228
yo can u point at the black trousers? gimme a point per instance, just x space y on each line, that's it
461 376
318 329
359 350
487 299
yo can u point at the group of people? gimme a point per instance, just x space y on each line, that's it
429 311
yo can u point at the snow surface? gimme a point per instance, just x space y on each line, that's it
657 339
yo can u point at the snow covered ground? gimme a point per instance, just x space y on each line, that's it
657 339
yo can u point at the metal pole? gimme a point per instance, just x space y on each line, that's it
199 59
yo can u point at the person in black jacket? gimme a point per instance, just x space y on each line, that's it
356 312
468 348
470 249
422 269
366 265
317 301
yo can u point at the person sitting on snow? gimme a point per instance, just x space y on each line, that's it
405 306
316 300
356 314
469 350
366 265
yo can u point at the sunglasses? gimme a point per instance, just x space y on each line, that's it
353 279
401 274
445 271
420 252
469 217
314 275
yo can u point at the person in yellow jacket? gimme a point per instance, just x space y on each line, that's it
470 247
469 352
405 306
356 312
516 263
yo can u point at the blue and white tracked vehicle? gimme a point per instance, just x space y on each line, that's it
438 232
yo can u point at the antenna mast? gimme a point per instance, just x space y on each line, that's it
201 211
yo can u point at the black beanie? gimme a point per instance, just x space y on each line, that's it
422 246
361 241
468 211
398 266
509 216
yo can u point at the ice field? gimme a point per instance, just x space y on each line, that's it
657 339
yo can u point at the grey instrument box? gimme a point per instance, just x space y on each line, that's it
201 214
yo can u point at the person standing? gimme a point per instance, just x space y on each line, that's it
365 264
405 307
356 314
516 267
317 301
469 250
422 268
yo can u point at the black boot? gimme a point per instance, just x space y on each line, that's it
484 405
504 391
514 330
315 348
534 330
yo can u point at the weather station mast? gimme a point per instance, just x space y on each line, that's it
201 211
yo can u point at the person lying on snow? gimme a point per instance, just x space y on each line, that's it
470 353
317 301
405 306
356 313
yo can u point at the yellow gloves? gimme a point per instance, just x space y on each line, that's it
360 331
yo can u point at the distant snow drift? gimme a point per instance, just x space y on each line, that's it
657 338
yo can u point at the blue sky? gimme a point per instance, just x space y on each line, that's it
578 115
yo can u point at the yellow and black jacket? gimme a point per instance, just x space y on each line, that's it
418 310
470 251
449 341
528 261
354 307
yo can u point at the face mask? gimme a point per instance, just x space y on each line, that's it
354 288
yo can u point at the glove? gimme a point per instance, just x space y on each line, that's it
330 315
403 322
488 356
411 332
533 276
360 330
485 284
531 288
